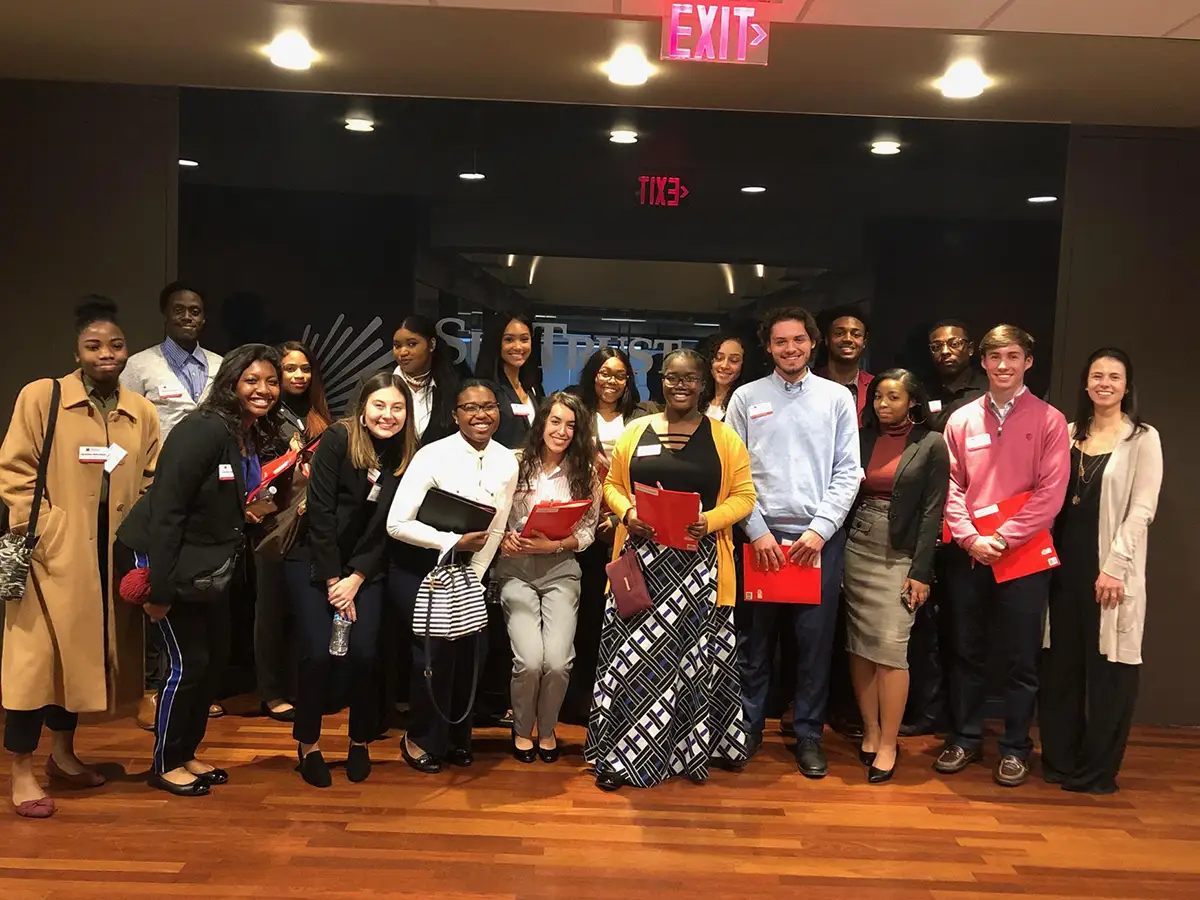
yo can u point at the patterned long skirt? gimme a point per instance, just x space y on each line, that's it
667 698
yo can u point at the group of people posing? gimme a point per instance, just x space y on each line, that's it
143 464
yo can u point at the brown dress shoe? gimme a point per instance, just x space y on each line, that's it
954 759
1012 772
147 711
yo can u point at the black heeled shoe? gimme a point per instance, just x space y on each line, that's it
195 788
313 768
358 763
423 763
609 781
865 757
522 756
461 757
880 776
215 777
550 755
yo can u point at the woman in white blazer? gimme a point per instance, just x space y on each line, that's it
1093 646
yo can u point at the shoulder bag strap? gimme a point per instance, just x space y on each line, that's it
39 488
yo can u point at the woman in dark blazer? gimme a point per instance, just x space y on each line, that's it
507 359
338 566
190 530
894 529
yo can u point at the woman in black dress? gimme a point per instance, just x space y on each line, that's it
507 360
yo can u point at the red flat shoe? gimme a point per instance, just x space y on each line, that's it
36 809
88 779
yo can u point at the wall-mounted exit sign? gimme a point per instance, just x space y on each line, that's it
715 32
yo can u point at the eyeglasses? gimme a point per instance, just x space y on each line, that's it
677 380
473 409
952 344
614 377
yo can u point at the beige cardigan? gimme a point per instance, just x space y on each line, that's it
1128 500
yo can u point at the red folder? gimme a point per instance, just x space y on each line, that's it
278 467
557 521
669 513
793 583
1036 555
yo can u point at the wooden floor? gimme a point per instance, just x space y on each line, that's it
533 832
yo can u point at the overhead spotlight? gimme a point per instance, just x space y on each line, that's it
189 163
623 136
512 258
628 66
753 189
471 176
885 148
361 124
533 265
707 324
620 319
963 80
1046 198
291 50
760 270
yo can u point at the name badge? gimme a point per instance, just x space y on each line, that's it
225 472
935 406
373 496
759 410
520 409
93 454
979 441
649 450
116 453
372 475
166 392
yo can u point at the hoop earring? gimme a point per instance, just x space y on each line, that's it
362 420
921 421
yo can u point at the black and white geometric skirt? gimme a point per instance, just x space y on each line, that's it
668 698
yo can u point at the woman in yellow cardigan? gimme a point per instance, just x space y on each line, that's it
667 697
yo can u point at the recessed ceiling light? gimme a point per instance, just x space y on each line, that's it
963 80
760 270
623 136
471 176
189 163
628 66
512 258
753 189
360 124
635 321
543 317
885 148
706 324
291 50
1046 198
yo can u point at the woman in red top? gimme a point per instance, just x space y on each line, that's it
895 524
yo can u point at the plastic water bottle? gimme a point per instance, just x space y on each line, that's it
339 638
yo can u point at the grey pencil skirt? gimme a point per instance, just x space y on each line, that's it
877 622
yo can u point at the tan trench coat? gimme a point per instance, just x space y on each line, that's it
55 649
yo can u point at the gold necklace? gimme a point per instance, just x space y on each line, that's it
1085 476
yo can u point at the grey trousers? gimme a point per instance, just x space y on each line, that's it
540 596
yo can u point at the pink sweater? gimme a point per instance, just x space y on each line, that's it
990 462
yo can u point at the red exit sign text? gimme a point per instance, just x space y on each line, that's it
715 32
661 190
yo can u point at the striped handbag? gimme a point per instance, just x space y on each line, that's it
451 605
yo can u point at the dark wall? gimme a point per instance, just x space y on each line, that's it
1129 276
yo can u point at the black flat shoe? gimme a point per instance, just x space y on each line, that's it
288 715
358 763
423 763
609 781
865 757
195 788
879 776
551 755
314 769
461 758
523 756
215 777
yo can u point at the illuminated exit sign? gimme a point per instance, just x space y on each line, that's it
661 190
715 32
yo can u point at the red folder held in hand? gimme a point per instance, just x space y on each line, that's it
793 583
557 521
1036 555
276 468
669 513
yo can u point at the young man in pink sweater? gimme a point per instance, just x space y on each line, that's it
1005 443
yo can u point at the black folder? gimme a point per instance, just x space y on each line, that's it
454 514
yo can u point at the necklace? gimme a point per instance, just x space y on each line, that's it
1086 475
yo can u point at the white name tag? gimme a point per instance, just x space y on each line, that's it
373 496
986 511
935 406
520 409
116 453
93 454
225 472
978 441
649 450
758 410
372 475
166 392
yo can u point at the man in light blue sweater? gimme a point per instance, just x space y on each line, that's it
802 432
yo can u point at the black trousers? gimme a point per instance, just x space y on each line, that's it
926 647
986 615
314 625
455 667
194 637
23 727
274 664
1086 703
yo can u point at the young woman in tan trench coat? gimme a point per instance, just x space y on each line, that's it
59 656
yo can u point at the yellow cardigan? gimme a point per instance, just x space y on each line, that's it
734 501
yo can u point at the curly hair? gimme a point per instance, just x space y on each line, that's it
580 455
222 399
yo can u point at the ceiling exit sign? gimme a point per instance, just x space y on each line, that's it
715 32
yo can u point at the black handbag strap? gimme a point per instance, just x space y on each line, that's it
39 488
428 673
